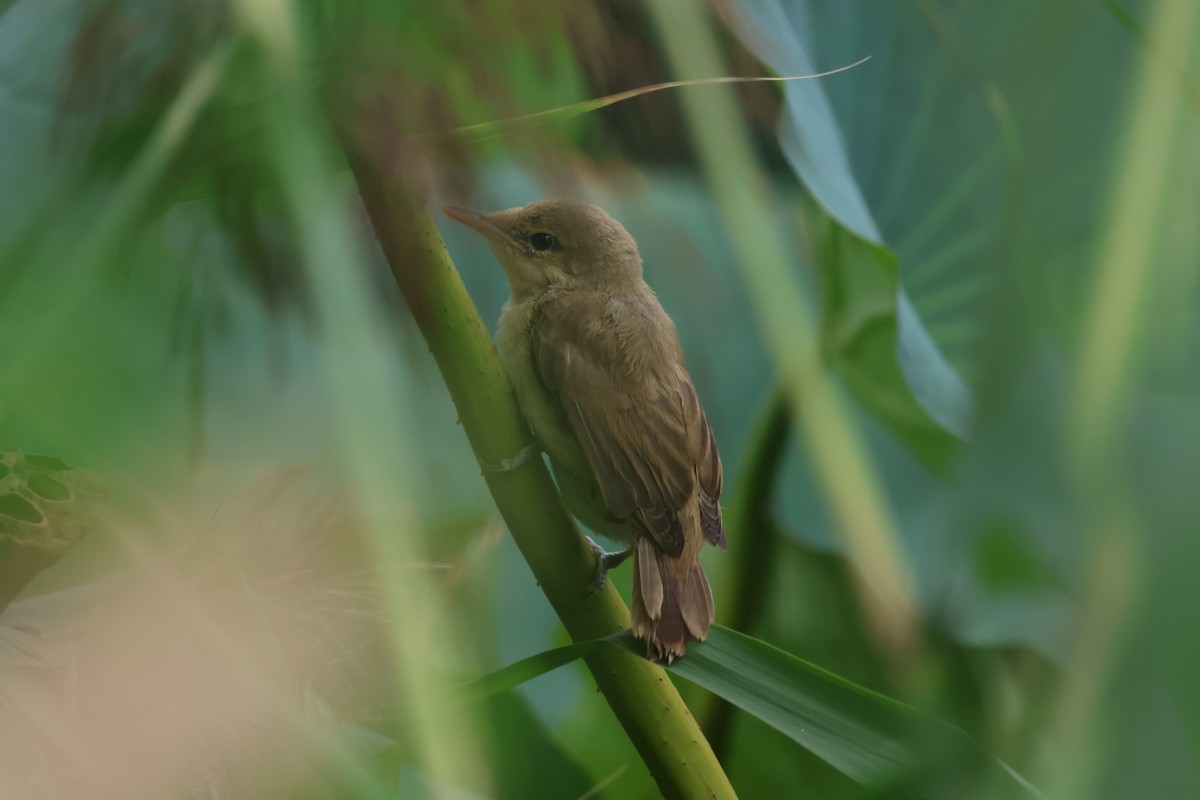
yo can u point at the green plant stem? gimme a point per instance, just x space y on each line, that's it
1134 268
750 518
752 546
645 702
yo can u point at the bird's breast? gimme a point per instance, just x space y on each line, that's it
541 408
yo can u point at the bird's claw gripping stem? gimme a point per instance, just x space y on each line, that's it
509 464
604 562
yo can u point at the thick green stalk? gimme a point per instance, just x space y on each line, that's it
645 702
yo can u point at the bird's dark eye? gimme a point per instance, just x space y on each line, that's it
541 241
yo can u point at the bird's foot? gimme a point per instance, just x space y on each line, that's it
534 448
604 562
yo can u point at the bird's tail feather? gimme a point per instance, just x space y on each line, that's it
672 604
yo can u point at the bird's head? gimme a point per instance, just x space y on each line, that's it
557 244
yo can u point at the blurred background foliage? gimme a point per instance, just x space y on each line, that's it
994 221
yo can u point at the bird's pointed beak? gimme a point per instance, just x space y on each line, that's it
479 221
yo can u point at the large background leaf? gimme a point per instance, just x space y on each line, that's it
943 149
871 331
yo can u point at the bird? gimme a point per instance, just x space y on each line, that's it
598 372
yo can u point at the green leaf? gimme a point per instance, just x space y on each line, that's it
45 508
521 671
501 127
872 334
867 736
873 337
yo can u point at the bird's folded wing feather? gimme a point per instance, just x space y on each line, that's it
645 436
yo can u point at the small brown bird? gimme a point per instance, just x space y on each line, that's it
599 375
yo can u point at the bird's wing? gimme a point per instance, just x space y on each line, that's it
647 441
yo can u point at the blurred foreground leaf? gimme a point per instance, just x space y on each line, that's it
869 737
45 507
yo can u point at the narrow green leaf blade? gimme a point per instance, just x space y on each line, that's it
869 737
519 672
488 130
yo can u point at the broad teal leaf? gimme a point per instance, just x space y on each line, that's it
981 176
872 334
